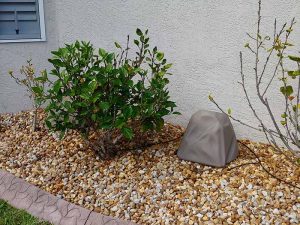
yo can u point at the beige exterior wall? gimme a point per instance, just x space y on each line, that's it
201 38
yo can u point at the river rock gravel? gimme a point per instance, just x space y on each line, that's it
152 186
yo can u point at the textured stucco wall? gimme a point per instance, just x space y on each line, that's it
201 38
13 55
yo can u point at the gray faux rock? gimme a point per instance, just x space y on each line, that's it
209 139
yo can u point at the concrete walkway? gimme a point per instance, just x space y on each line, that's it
45 206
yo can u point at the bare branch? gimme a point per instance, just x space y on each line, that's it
291 124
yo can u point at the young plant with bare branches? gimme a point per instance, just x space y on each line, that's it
266 50
35 86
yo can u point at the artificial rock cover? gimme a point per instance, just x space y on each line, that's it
209 139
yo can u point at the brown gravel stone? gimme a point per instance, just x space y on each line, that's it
152 186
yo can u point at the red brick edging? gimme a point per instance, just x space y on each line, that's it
46 206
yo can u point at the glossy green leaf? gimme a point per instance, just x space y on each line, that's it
284 115
57 86
92 85
294 74
287 91
168 66
117 45
37 90
56 62
136 42
102 52
160 56
127 132
294 58
120 122
104 105
139 32
229 111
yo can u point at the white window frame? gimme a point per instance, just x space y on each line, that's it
42 28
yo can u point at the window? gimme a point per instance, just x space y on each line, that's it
22 21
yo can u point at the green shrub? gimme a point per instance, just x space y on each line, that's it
108 91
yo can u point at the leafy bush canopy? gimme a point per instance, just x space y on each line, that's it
101 90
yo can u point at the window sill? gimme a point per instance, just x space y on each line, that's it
23 40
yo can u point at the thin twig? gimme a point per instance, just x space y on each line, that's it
265 169
243 164
233 118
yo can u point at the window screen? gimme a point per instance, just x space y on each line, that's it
19 19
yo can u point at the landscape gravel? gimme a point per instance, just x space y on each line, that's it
151 185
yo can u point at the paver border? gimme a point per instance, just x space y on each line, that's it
48 207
